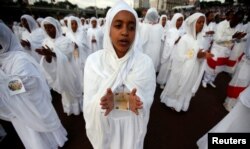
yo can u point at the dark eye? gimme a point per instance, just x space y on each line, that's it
118 25
131 27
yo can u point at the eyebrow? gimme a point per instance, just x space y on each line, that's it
119 21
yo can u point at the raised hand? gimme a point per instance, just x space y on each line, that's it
134 102
25 43
107 101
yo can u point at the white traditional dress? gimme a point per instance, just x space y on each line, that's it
169 46
221 50
119 129
186 68
31 111
151 33
94 33
240 80
62 73
35 37
79 38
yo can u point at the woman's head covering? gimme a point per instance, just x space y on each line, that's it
247 50
8 40
190 23
39 20
163 16
55 23
31 22
152 16
174 20
92 19
78 21
107 43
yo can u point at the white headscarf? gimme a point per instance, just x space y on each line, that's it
33 108
152 16
8 41
108 46
31 22
55 23
174 20
190 24
160 22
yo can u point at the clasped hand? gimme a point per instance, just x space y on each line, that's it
107 102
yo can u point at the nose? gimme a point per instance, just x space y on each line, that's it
124 31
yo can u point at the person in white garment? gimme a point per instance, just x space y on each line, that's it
60 68
239 45
25 98
151 33
186 64
236 121
119 85
224 36
94 36
240 80
76 33
32 37
172 37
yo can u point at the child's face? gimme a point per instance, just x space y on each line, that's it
122 32
199 24
179 22
50 30
74 25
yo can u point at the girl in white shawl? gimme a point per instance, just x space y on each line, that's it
94 36
120 65
236 121
185 66
60 68
32 37
28 107
151 33
78 36
173 35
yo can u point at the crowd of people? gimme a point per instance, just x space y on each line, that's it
109 68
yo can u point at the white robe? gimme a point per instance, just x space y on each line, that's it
31 113
63 74
151 36
103 70
94 33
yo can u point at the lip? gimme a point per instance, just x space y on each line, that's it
123 42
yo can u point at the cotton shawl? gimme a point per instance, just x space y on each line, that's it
33 108
62 73
35 36
120 129
185 69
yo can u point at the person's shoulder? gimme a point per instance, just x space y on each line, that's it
95 56
143 58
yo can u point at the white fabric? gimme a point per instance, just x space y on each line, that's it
32 109
185 69
94 33
79 38
238 120
171 36
151 41
62 73
35 37
120 129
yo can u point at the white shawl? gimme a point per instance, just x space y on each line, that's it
33 107
105 70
